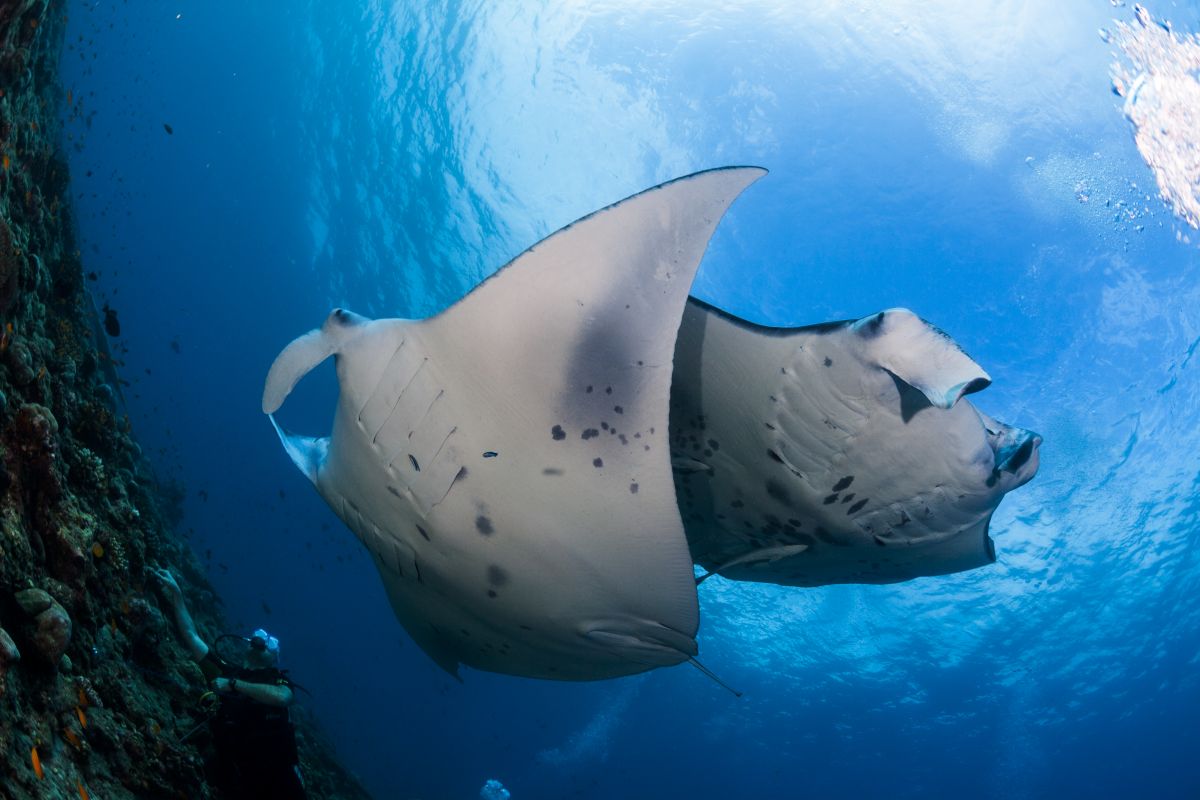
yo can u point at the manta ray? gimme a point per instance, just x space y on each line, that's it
506 462
836 453
522 466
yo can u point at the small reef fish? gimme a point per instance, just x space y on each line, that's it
112 325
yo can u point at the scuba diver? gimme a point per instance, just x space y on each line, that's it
252 732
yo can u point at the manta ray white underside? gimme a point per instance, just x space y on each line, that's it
836 453
506 462
513 463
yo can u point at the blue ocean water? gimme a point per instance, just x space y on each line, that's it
239 169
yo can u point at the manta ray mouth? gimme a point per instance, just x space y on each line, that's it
1018 456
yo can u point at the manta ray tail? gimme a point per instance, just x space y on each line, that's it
710 674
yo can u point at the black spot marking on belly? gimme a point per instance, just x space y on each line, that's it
633 488
423 532
597 462
737 504
856 507
490 454
496 576
484 525
608 390
552 471
492 593
558 433
623 439
713 444
590 433
831 499
619 409
849 496
412 460
394 490
828 361
844 483
526 628
588 390
774 456
604 426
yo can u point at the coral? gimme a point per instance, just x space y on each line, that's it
50 626
10 267
33 439
9 654
96 694
53 634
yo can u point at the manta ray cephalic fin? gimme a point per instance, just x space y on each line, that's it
920 355
299 358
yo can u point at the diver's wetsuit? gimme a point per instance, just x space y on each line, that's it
255 743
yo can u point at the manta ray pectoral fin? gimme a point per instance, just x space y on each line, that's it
920 355
767 555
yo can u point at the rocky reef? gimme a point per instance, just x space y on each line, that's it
97 698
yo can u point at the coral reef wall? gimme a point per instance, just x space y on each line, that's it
96 696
